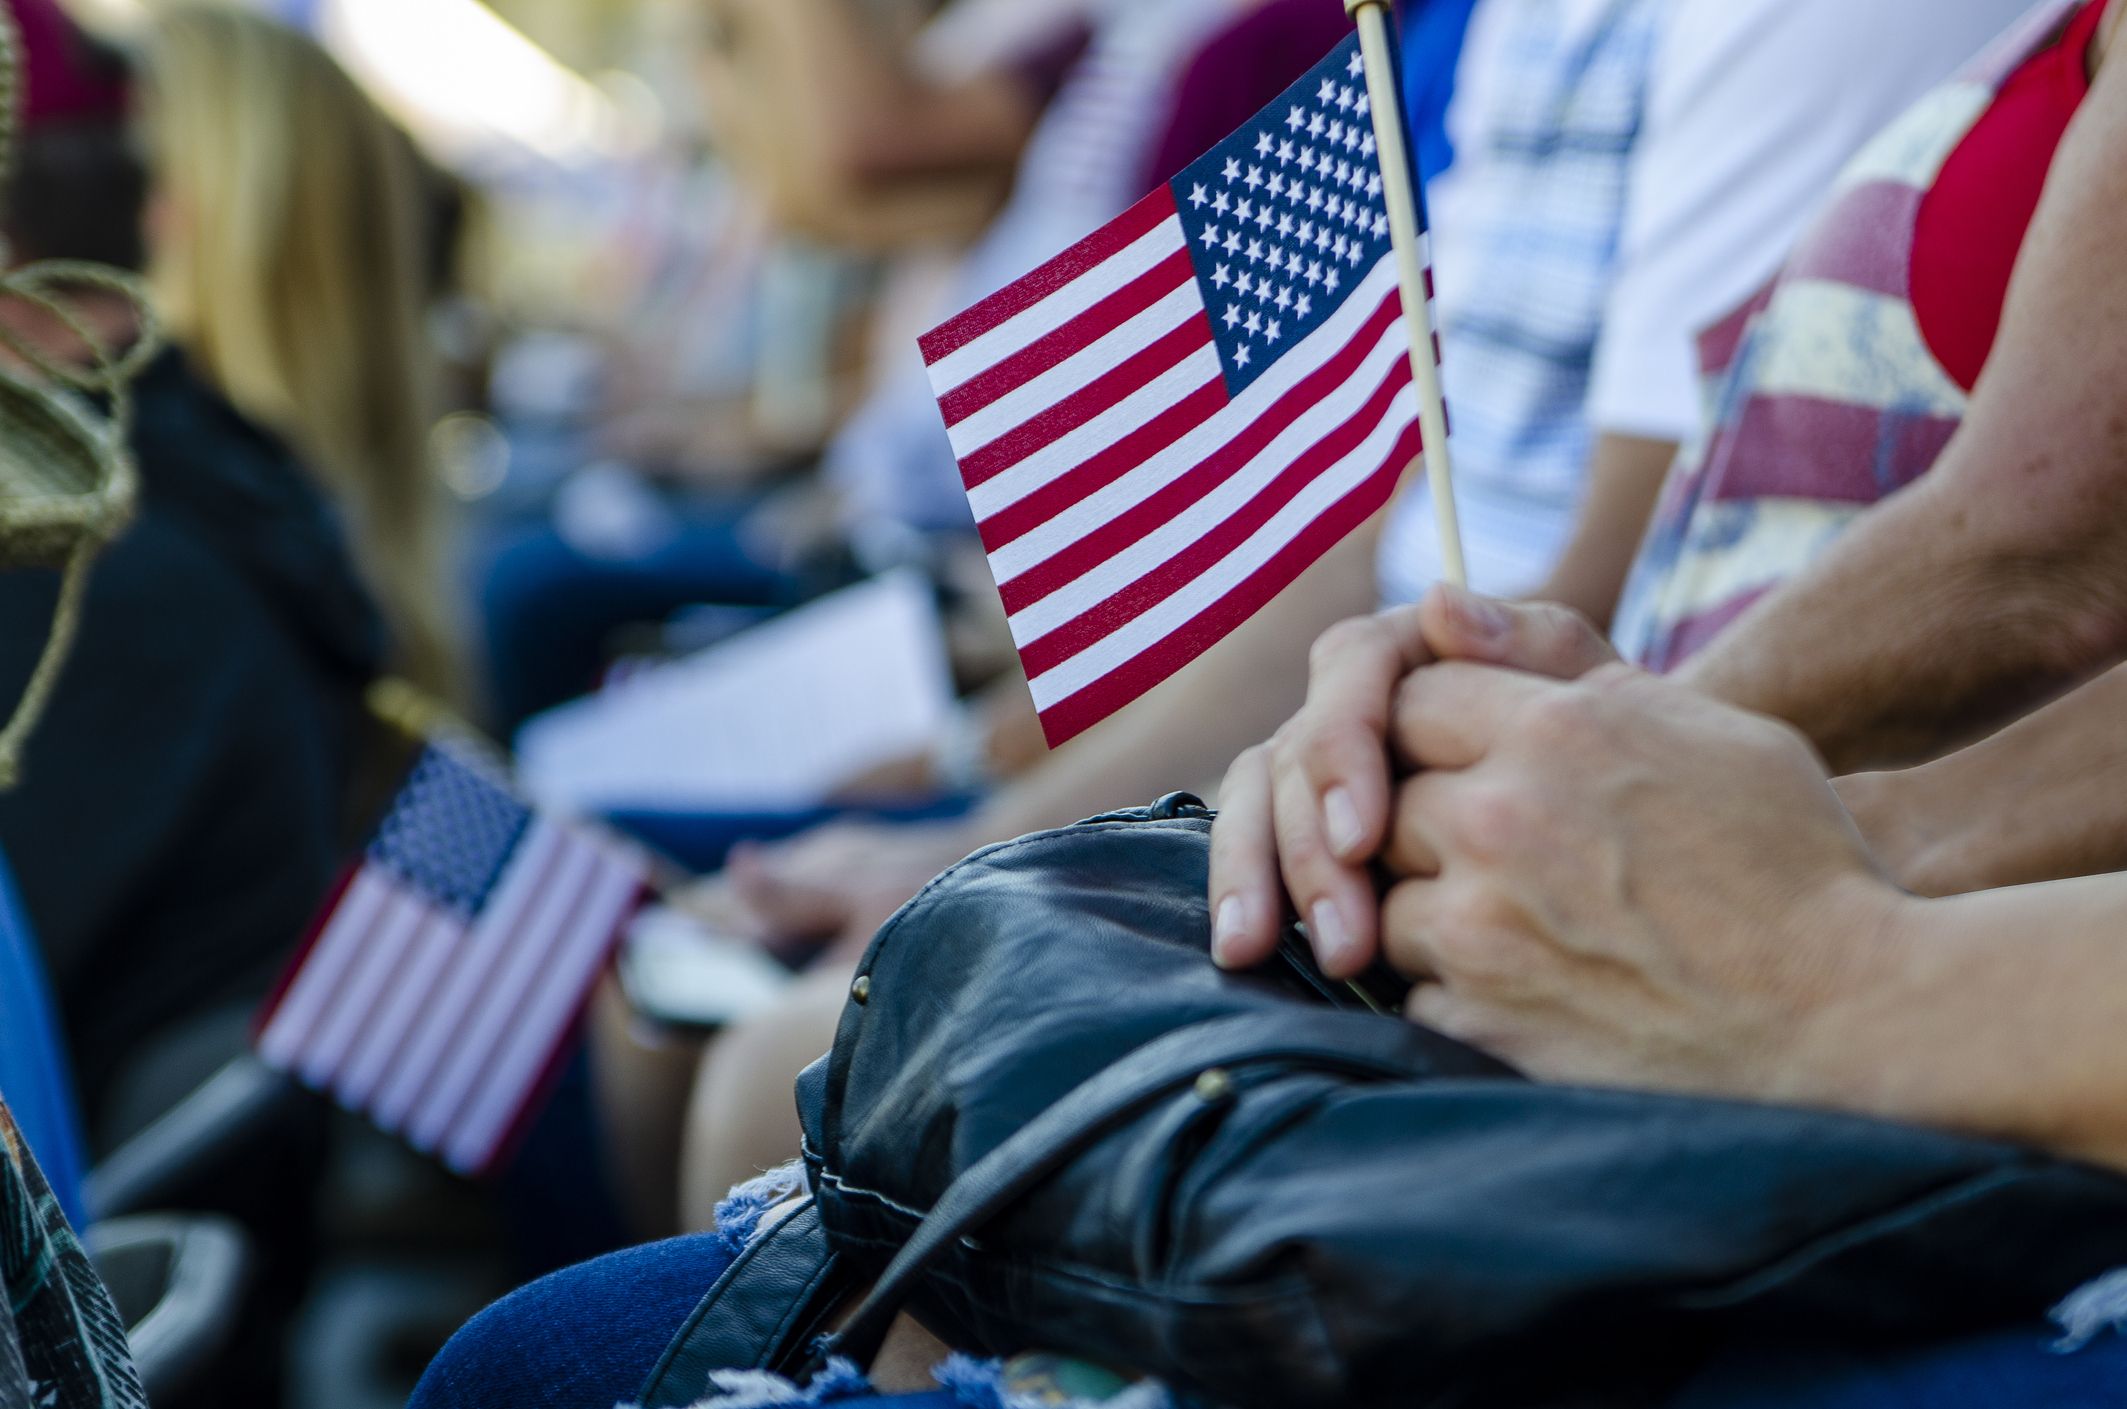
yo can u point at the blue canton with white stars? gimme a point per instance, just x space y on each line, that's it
1286 216
452 829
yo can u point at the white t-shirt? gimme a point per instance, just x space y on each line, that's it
1745 112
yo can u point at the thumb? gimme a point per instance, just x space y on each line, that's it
1542 638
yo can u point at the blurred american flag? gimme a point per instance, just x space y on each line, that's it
445 977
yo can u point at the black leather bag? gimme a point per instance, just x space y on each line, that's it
1049 1121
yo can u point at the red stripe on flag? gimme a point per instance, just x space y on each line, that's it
1103 543
1068 340
1102 394
1074 714
1112 614
1023 516
1016 298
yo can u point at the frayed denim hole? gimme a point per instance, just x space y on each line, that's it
739 1215
839 1382
2092 1311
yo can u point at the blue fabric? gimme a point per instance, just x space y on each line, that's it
700 841
583 1338
549 609
2008 1370
35 1079
1432 48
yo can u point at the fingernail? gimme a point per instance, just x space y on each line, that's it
1340 818
1480 617
1227 928
1333 942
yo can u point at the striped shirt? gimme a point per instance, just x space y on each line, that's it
1828 396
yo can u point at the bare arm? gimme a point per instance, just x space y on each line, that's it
1187 731
1625 476
2001 1018
2043 800
2008 563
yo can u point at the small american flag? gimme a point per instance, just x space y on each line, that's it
1166 424
447 973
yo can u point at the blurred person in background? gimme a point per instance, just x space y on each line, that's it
851 165
181 812
1625 175
288 255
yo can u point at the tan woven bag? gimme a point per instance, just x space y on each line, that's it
67 483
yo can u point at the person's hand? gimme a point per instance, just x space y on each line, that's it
1312 804
835 885
1620 881
1912 829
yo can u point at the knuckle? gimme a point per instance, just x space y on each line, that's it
1569 719
1496 821
1354 634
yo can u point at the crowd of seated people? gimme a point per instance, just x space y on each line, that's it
1771 756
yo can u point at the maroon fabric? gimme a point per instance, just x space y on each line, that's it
63 76
1236 75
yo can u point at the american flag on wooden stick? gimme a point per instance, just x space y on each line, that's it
445 978
1166 424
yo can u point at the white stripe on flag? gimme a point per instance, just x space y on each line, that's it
1386 359
1078 371
1060 307
478 956
404 912
387 1028
565 978
525 955
1133 639
324 968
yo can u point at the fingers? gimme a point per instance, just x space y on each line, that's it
1339 740
1417 842
1334 898
1543 638
1454 714
788 906
1246 906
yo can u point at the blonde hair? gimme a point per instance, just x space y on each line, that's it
292 273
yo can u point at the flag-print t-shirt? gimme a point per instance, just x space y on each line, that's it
1845 380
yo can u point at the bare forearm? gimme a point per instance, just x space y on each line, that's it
1928 622
2045 799
1624 478
1191 727
1997 1015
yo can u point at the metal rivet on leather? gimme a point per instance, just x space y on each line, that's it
1215 1086
860 991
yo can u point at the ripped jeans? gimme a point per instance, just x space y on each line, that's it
588 1338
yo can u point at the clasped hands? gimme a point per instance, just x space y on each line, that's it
1596 875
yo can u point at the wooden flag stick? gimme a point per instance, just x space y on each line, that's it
1375 50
